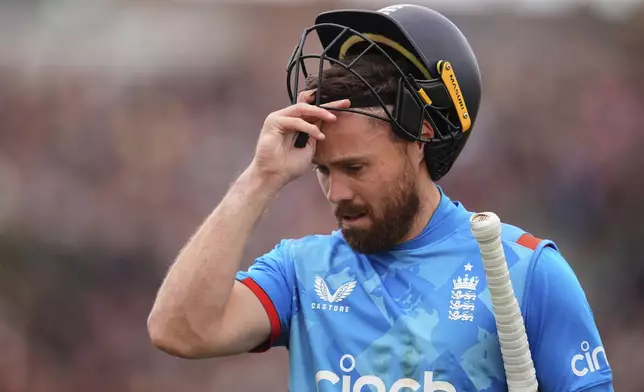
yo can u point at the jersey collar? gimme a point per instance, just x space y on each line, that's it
448 217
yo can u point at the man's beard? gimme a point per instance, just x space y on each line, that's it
390 226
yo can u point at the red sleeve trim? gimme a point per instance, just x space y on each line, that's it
276 326
529 241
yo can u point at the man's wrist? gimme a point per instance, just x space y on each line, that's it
259 184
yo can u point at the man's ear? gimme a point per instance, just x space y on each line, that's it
426 133
418 147
428 130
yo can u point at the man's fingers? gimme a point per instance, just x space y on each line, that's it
296 124
307 118
341 104
306 110
306 96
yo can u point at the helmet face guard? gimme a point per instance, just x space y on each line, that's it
418 45
411 104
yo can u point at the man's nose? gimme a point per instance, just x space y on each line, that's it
338 190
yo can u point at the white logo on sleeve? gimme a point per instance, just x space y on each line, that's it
581 364
348 363
322 290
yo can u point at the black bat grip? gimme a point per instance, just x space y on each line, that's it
301 139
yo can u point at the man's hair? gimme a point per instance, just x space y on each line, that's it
339 83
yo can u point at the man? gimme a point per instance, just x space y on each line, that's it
396 299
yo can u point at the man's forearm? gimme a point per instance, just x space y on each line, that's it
192 298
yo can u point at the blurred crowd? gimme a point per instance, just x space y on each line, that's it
121 128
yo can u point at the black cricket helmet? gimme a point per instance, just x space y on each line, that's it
440 83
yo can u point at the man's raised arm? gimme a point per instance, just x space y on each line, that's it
200 310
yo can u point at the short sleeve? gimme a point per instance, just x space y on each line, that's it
564 340
271 278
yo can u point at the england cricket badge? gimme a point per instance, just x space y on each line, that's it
461 304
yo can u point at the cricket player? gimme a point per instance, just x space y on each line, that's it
395 299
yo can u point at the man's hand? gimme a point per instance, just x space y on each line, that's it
276 157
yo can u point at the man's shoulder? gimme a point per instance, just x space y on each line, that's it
515 237
521 239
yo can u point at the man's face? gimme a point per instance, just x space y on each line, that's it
370 181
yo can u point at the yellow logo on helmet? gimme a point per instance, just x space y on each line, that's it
451 83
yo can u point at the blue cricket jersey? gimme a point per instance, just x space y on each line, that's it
419 317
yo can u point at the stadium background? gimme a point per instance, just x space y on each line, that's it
122 123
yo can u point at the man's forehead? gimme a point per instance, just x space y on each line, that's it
352 136
353 126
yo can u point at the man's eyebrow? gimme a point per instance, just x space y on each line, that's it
342 161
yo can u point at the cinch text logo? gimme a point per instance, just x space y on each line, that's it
348 363
322 290
589 361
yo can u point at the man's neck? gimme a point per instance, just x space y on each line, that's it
430 197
